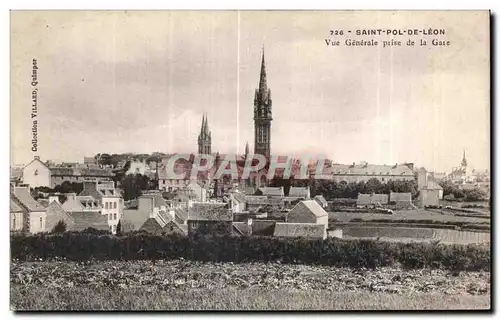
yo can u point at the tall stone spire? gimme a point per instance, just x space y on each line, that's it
263 76
262 114
202 122
464 160
207 131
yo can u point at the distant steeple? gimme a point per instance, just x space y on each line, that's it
207 131
464 160
205 137
247 149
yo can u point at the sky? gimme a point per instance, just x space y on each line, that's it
139 81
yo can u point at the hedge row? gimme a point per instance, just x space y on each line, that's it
333 252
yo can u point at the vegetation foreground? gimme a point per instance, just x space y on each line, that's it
234 299
191 285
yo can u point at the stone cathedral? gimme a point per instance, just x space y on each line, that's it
262 115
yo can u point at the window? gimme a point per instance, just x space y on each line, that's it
110 216
114 216
110 229
14 223
41 221
106 205
114 205
114 229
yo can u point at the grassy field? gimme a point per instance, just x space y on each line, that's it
233 299
403 215
418 234
188 285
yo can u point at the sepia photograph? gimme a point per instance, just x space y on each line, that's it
249 160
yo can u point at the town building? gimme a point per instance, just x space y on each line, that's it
363 172
109 199
428 197
303 193
210 218
308 211
372 199
26 214
272 192
237 202
152 210
75 221
76 203
38 174
321 201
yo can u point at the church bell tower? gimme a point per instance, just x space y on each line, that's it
262 114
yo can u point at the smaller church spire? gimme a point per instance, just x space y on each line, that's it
203 122
464 160
247 149
206 124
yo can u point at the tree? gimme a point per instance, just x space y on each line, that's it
133 185
374 185
69 187
60 227
119 228
475 194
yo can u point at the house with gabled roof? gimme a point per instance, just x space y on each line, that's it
433 185
36 174
76 203
181 215
321 201
237 202
32 211
75 221
61 174
56 213
303 193
372 199
85 220
174 228
109 199
150 206
308 211
210 218
364 171
242 228
255 203
19 215
272 191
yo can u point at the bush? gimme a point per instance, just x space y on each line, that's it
60 227
334 252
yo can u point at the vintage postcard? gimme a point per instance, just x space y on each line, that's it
250 160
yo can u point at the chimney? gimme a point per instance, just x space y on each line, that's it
36 157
